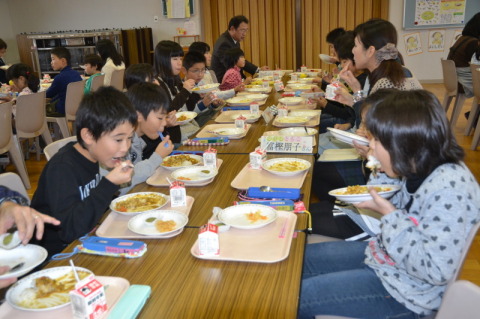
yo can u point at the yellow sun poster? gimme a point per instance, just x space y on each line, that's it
434 12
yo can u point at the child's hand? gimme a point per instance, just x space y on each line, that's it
218 102
343 96
240 88
163 150
172 119
208 99
248 80
320 101
121 174
189 85
343 127
378 203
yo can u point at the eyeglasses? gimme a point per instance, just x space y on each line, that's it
197 71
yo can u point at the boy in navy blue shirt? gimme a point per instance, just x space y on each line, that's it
58 91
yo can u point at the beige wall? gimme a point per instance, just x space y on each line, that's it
58 15
7 33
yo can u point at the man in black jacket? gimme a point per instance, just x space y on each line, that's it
237 30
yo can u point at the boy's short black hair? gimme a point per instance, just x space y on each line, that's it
191 58
94 60
344 44
232 56
199 46
62 53
236 21
147 97
102 111
3 44
138 73
334 34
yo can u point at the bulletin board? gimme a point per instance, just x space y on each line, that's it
430 14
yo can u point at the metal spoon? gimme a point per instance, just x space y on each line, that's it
269 189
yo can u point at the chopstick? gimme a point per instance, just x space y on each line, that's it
283 231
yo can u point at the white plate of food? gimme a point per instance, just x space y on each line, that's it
194 175
286 166
291 100
26 294
248 216
239 100
24 257
348 137
305 113
300 87
257 89
205 88
292 120
298 131
160 222
174 162
359 193
185 117
136 203
229 131
250 117
256 97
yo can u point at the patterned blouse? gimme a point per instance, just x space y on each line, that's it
231 79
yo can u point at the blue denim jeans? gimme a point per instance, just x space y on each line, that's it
336 281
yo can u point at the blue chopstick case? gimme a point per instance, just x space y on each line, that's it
131 303
286 193
236 108
200 153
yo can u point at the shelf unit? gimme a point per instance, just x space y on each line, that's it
35 49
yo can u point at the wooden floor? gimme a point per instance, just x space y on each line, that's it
471 269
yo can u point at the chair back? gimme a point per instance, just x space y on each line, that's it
449 77
52 148
5 126
117 79
13 181
30 119
476 80
97 82
460 301
73 99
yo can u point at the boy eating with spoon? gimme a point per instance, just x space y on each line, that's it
70 187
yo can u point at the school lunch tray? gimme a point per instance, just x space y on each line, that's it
227 116
314 121
249 177
262 245
116 288
116 225
159 178
204 131
277 133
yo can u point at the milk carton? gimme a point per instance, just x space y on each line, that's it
208 243
330 90
210 157
88 299
257 158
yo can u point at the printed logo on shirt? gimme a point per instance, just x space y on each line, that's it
85 190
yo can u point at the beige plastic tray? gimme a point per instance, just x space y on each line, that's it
116 225
262 245
277 133
341 154
315 121
205 129
227 116
159 178
249 177
116 288
298 106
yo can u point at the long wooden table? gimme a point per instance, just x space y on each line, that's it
186 287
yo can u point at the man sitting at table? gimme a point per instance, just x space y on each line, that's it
237 30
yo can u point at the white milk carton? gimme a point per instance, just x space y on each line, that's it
88 299
208 243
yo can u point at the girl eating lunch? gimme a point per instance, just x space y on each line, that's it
404 270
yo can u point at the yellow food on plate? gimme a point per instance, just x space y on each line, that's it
164 226
180 160
140 203
357 190
50 292
288 166
292 119
255 217
182 118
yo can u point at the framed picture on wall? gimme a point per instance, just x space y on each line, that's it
436 40
413 44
